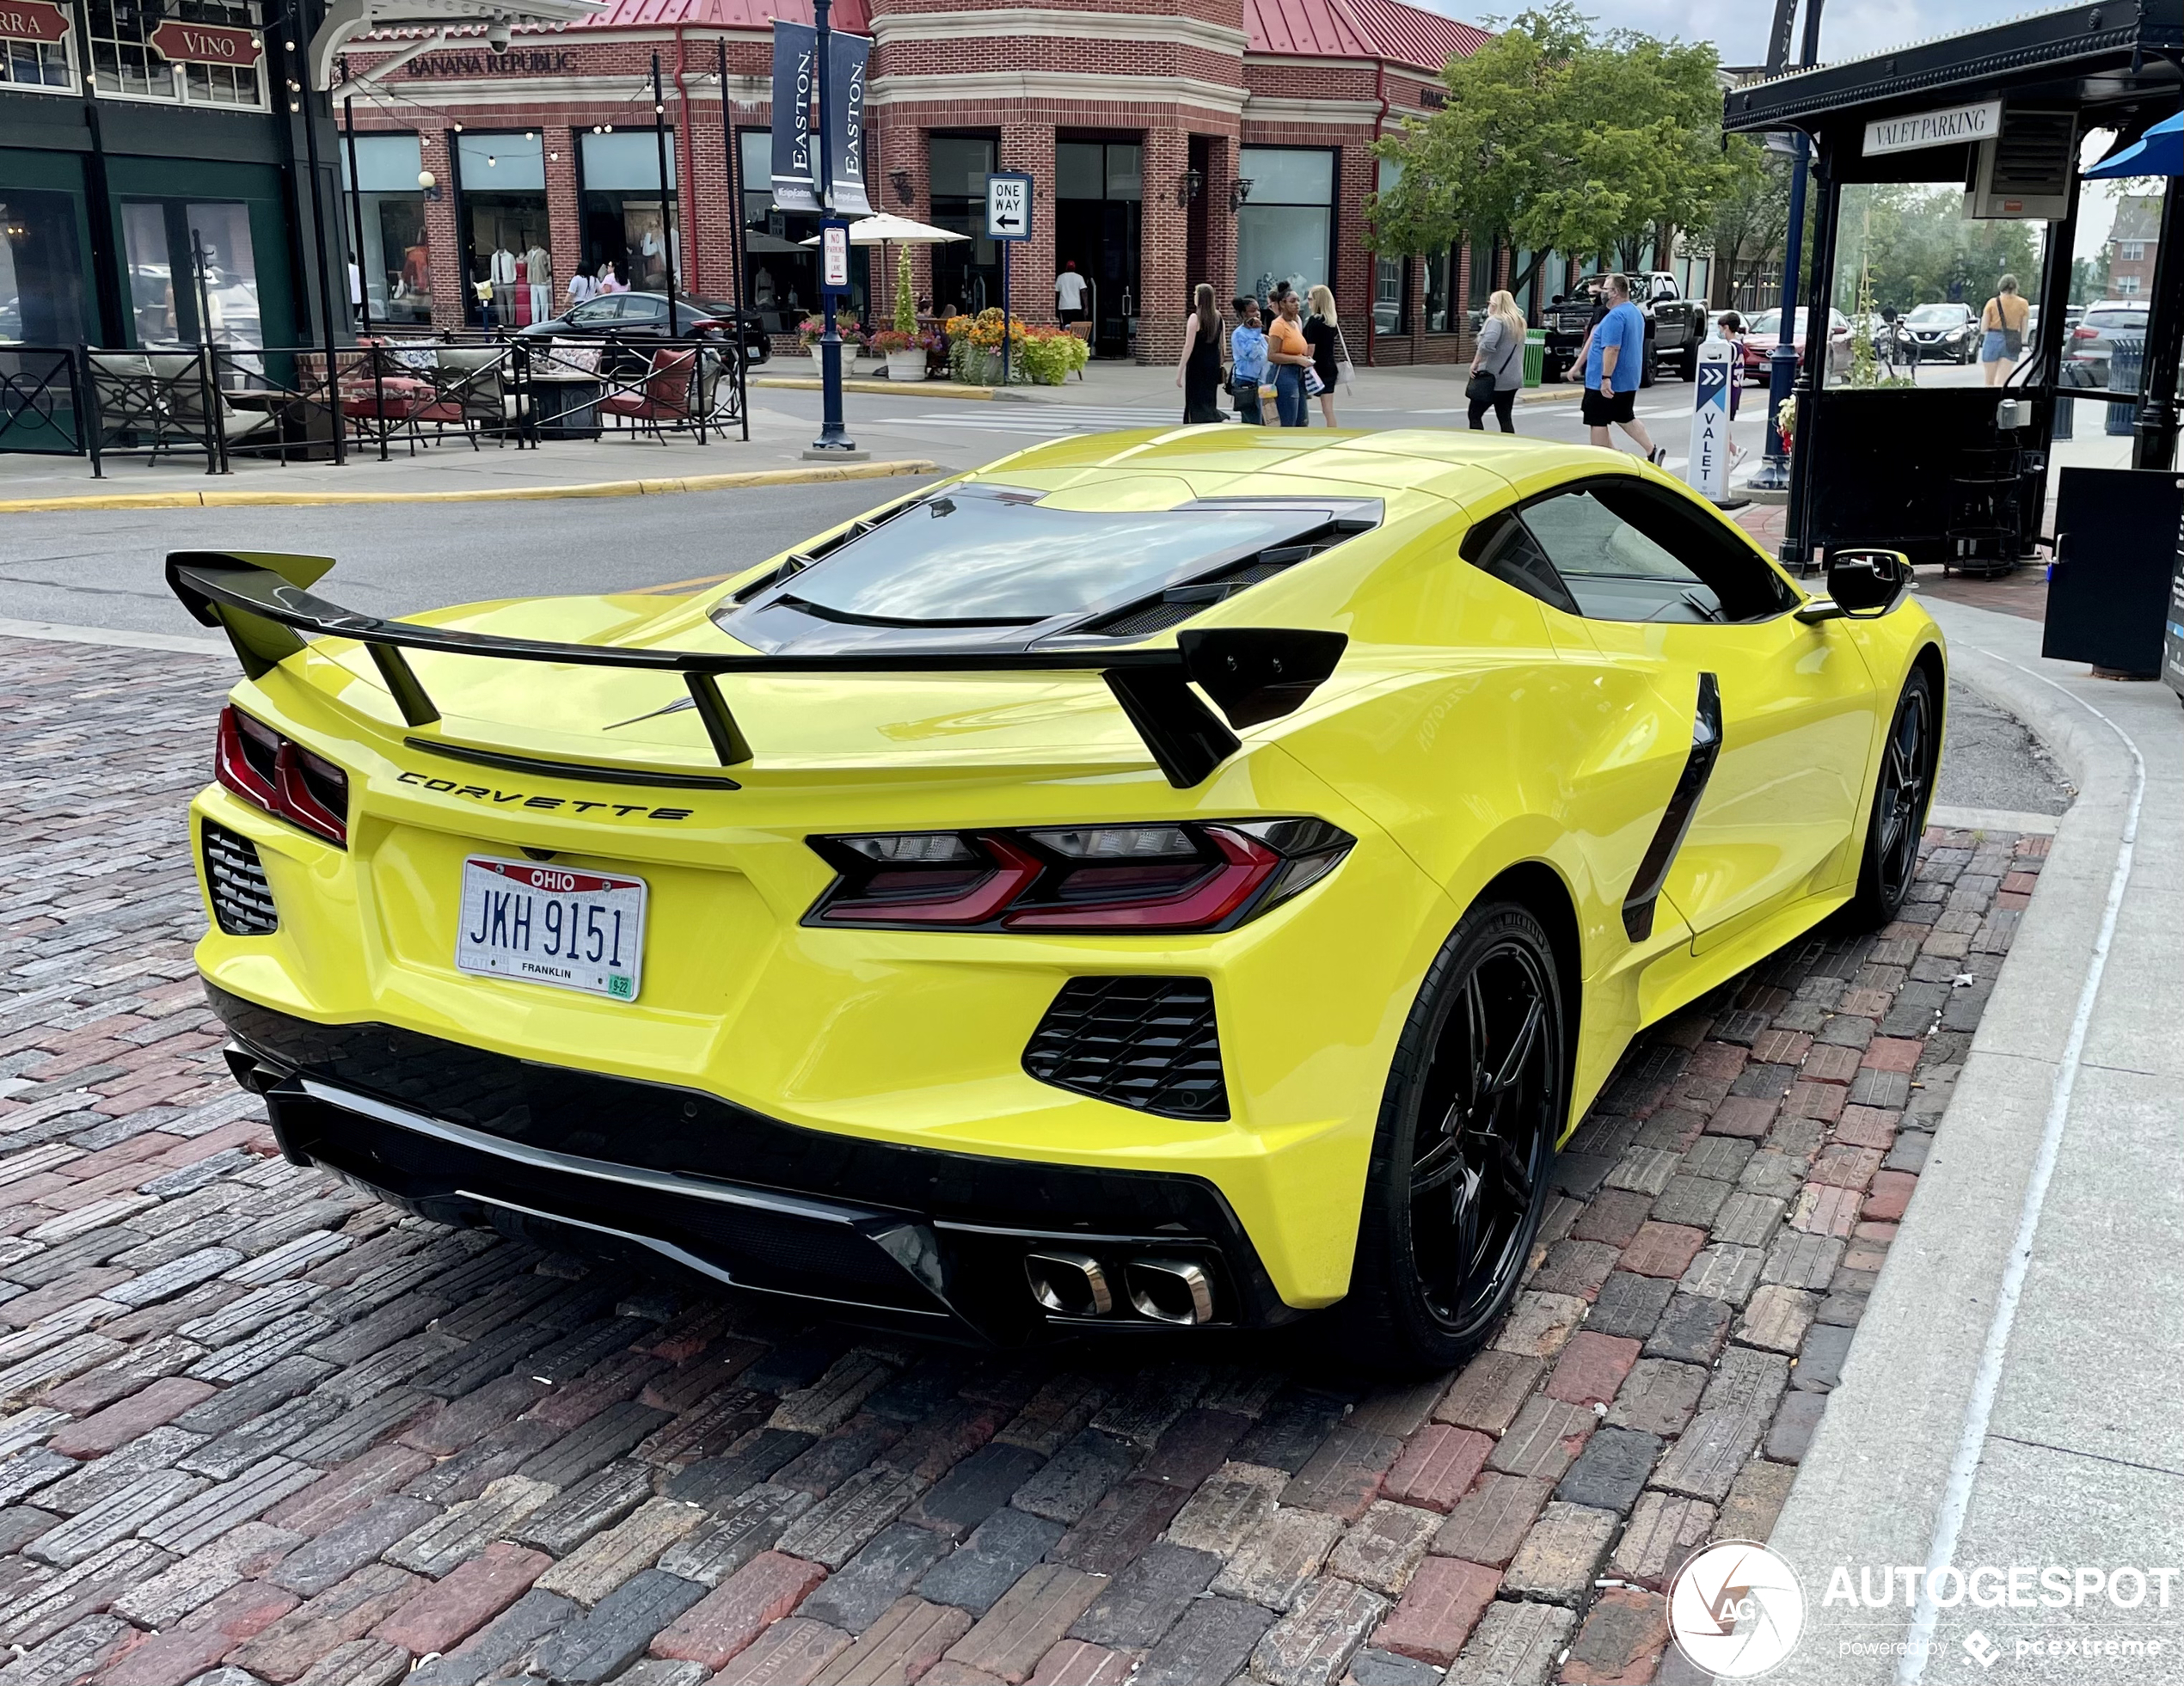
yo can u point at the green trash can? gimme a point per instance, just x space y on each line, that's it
1534 355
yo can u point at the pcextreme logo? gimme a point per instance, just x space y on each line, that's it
1735 1609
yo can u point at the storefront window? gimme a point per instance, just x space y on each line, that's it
396 262
40 291
36 63
1284 229
780 277
625 213
193 273
1482 289
125 62
1440 268
504 227
966 273
1389 277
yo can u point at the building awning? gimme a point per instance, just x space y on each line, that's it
346 20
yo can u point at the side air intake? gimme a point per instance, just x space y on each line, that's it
1149 1043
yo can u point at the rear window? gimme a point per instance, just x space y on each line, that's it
2115 319
984 555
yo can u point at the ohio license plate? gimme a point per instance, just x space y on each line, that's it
544 925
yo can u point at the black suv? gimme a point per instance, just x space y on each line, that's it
642 317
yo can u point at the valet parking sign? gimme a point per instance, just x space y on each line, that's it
1709 465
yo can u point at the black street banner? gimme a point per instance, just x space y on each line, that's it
795 54
846 59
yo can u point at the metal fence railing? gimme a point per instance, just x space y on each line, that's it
299 403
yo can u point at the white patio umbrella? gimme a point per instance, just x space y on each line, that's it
884 229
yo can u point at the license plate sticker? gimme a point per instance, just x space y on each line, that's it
552 925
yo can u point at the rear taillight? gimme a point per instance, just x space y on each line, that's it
2085 333
274 772
1171 876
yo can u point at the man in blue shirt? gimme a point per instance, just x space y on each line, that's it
1615 357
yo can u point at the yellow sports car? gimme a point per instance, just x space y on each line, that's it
1160 881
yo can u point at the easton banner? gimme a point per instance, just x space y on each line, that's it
796 55
846 59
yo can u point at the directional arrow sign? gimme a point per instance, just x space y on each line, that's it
1009 206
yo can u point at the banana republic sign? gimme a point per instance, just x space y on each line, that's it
518 63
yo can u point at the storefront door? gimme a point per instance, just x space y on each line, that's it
193 273
44 291
1098 217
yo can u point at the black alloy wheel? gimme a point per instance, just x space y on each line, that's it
1467 1135
1908 758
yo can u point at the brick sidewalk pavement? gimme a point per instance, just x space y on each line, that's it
255 1428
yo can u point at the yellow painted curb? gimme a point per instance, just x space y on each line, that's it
1549 395
222 499
892 388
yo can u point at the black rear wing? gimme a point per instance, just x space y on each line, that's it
262 600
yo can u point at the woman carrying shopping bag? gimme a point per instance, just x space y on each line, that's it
1330 356
1497 364
1290 354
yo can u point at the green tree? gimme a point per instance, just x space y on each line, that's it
1564 139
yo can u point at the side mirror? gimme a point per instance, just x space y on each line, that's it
1867 583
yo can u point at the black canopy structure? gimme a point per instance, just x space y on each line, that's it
1958 473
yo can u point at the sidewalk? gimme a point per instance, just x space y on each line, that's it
2012 1397
618 465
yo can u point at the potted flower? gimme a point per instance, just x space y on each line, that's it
905 352
809 333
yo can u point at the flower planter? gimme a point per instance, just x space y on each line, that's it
908 366
819 362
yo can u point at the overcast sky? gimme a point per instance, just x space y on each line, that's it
1849 28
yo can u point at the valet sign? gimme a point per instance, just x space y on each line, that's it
202 43
32 21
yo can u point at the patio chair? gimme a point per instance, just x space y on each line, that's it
664 401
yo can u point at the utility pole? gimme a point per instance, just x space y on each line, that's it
666 196
1781 365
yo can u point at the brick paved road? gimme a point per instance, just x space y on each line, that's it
254 1428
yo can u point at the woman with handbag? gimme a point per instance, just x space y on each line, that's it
1498 364
2004 339
1330 356
1198 371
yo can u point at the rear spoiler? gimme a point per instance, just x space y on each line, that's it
261 600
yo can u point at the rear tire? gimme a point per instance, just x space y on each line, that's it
1901 796
1475 1102
1649 365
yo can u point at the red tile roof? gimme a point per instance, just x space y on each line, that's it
1359 30
851 16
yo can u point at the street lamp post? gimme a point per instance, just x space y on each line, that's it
833 436
1782 362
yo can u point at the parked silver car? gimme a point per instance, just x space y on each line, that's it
2093 339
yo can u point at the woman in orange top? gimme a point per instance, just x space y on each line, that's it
1287 352
2004 339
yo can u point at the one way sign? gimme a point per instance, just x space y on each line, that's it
1009 206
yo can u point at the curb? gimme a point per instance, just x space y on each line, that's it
1560 393
1871 1485
605 488
892 389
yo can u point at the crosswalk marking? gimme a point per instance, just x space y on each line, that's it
1054 420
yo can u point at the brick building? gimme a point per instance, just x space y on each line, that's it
2133 241
1171 142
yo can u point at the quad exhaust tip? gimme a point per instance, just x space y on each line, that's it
1173 1290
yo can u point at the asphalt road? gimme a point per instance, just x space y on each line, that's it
102 568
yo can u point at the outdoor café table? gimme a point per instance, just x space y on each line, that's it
293 413
568 402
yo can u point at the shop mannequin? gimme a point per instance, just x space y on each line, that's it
538 265
501 269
